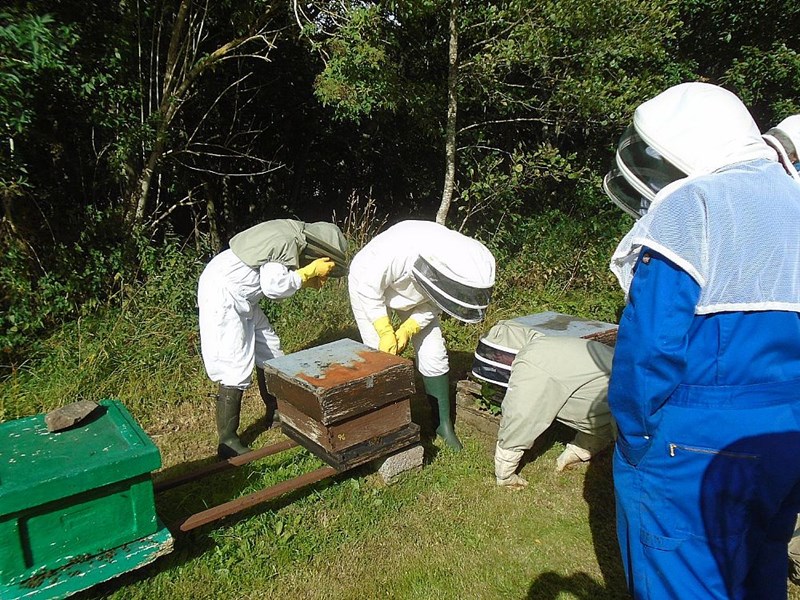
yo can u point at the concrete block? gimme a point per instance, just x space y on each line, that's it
392 467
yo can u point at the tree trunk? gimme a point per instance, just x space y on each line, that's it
452 109
184 66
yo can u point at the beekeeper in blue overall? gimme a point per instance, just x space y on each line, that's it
705 384
271 260
418 269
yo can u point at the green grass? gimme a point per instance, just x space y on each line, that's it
444 532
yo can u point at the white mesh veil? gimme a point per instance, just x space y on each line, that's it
758 265
732 223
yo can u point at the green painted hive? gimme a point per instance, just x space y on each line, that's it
75 499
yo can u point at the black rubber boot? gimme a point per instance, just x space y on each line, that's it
273 417
229 406
438 390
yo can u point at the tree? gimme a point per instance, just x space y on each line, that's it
452 114
750 46
191 53
33 49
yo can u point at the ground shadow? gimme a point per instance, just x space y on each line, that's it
250 433
749 500
598 491
178 503
549 586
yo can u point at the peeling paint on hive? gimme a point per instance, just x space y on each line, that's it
335 363
337 373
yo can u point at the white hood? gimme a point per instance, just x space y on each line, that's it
786 132
731 222
790 127
700 128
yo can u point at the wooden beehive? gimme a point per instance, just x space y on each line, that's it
344 401
77 506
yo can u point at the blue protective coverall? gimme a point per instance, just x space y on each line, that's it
705 469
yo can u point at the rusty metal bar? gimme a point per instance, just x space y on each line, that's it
224 465
235 506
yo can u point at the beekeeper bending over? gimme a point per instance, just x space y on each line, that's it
273 259
417 269
562 379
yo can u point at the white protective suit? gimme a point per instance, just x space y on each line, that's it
382 277
562 379
235 334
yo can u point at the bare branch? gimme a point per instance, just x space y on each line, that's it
499 121
213 104
228 173
185 201
483 147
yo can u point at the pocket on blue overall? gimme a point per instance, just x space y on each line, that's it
692 525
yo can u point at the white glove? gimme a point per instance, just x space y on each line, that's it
516 482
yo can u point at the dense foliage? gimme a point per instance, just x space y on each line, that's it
132 130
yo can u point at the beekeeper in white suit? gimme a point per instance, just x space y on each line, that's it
785 139
418 269
560 379
271 260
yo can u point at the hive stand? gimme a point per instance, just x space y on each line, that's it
344 402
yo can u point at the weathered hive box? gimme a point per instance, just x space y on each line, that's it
77 506
344 401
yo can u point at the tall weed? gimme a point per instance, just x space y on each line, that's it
139 345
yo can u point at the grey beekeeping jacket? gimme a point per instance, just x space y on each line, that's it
290 243
558 378
280 241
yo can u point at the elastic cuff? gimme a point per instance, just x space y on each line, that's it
506 461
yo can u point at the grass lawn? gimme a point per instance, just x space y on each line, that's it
444 532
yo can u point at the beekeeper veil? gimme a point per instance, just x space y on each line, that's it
690 129
641 173
699 130
457 273
785 139
325 240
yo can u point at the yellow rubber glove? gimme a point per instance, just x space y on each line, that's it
388 340
319 268
405 332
